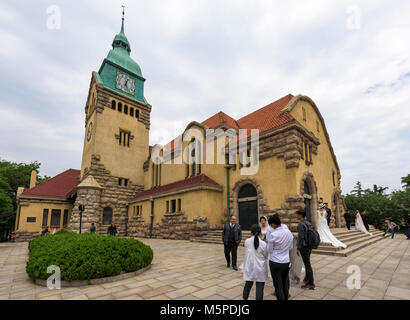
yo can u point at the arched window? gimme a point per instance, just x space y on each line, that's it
113 104
247 191
107 216
137 113
126 109
131 111
119 106
193 155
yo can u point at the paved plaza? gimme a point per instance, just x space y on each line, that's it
187 270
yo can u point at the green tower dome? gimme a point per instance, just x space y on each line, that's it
119 65
120 53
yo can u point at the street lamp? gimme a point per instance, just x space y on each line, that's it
81 208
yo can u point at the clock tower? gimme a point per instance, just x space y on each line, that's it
116 140
117 115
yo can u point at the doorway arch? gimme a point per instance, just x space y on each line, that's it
308 190
247 206
250 187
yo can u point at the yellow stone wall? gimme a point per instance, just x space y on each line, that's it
323 162
193 203
121 161
35 209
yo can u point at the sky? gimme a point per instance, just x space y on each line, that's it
202 57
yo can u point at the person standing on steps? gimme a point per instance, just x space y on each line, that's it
231 238
348 220
365 219
329 213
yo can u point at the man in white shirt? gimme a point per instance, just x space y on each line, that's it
280 241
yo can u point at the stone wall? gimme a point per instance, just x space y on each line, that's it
287 144
173 226
111 195
25 236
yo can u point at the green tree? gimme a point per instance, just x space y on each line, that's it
357 190
12 176
405 181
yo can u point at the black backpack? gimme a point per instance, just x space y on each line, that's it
312 237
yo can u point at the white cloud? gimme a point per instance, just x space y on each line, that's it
200 57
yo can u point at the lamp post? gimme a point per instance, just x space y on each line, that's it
81 208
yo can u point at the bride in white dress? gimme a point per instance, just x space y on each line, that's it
359 225
326 236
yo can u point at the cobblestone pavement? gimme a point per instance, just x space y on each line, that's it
186 270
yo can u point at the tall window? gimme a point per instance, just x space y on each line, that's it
193 157
167 206
131 111
55 218
113 104
45 218
126 109
65 218
173 206
124 138
107 216
304 113
119 106
179 205
137 113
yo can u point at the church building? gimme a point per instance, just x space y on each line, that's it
276 159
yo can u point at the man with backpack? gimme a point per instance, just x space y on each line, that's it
308 239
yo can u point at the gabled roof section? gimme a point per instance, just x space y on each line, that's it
268 117
200 180
62 185
219 119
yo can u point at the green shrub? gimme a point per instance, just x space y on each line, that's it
86 256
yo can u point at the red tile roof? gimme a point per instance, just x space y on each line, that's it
193 181
220 118
264 119
62 185
268 117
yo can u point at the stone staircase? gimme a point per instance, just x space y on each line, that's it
215 236
355 240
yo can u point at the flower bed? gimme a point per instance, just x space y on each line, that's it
86 256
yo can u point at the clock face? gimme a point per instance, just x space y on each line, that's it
89 131
125 83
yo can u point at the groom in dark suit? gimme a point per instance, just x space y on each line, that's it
348 219
329 213
231 237
365 219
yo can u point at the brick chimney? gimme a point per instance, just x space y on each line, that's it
33 179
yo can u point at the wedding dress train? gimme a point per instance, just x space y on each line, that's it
359 225
326 236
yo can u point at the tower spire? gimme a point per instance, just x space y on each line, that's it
123 14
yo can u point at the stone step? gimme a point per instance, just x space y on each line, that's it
350 249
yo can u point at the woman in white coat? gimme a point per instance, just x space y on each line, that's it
255 268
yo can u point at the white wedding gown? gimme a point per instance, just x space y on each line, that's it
326 236
359 225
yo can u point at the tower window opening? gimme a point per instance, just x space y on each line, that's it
119 106
113 104
137 113
126 109
131 111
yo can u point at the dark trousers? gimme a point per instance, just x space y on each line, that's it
348 224
280 278
231 247
305 253
328 221
391 231
259 290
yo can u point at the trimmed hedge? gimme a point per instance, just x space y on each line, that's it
86 256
